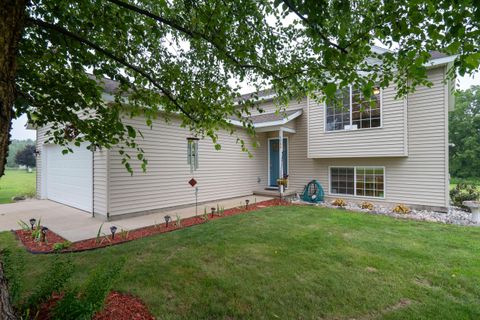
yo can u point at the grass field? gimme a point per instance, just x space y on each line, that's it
292 263
455 181
16 183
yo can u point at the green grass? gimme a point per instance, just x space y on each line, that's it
16 183
293 263
455 181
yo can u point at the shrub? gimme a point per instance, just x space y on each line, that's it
59 246
367 205
464 192
401 208
178 223
84 302
13 267
339 202
54 281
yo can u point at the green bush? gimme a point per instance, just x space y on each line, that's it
464 192
84 302
54 281
13 274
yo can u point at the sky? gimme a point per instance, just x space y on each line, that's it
20 132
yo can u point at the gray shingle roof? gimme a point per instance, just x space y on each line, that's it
269 117
437 55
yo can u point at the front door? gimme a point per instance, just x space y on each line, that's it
274 164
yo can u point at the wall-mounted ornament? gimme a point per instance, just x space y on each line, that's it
192 153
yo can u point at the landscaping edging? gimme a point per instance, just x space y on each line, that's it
37 247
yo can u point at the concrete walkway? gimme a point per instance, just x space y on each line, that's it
75 225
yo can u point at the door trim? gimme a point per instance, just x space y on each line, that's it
268 157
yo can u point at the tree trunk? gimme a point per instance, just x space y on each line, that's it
12 19
6 310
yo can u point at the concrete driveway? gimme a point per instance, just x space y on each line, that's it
75 225
61 219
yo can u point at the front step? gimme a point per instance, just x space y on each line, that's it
268 192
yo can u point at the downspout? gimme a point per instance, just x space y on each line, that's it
280 159
93 182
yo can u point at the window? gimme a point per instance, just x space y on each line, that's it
352 110
358 181
370 182
338 111
342 180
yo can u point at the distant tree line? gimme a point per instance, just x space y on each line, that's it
464 132
14 147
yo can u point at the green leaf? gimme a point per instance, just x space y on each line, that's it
132 133
330 89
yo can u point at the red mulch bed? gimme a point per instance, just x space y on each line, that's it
38 247
105 241
121 306
118 306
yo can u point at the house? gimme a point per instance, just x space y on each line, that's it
393 151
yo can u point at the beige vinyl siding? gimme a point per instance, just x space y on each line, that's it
386 141
41 138
419 179
270 107
100 182
222 174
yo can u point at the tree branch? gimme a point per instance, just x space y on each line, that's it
192 34
109 54
313 26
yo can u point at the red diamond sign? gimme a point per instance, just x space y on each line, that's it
192 182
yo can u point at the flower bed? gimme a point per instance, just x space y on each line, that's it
118 306
105 241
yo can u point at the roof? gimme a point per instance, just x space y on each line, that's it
108 85
437 55
270 119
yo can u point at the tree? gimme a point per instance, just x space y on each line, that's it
464 133
190 58
14 147
26 156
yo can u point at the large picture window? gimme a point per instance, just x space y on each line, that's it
358 181
351 110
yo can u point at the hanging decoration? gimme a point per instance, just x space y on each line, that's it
192 153
192 160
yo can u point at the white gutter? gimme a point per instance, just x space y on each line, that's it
440 61
270 123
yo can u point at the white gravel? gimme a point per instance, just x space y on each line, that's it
454 215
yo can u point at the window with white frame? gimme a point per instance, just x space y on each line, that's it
358 181
342 180
352 110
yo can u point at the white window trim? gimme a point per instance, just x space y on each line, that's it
351 100
355 182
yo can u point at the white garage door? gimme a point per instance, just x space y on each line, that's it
69 177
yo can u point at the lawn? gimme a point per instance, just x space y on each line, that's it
293 263
16 183
455 181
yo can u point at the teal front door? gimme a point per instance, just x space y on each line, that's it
274 164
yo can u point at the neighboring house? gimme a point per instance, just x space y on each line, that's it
393 152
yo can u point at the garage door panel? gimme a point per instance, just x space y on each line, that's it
69 177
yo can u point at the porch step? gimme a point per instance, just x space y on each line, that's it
274 192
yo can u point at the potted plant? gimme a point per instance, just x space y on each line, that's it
283 181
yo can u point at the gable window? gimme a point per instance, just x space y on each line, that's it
352 110
358 181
